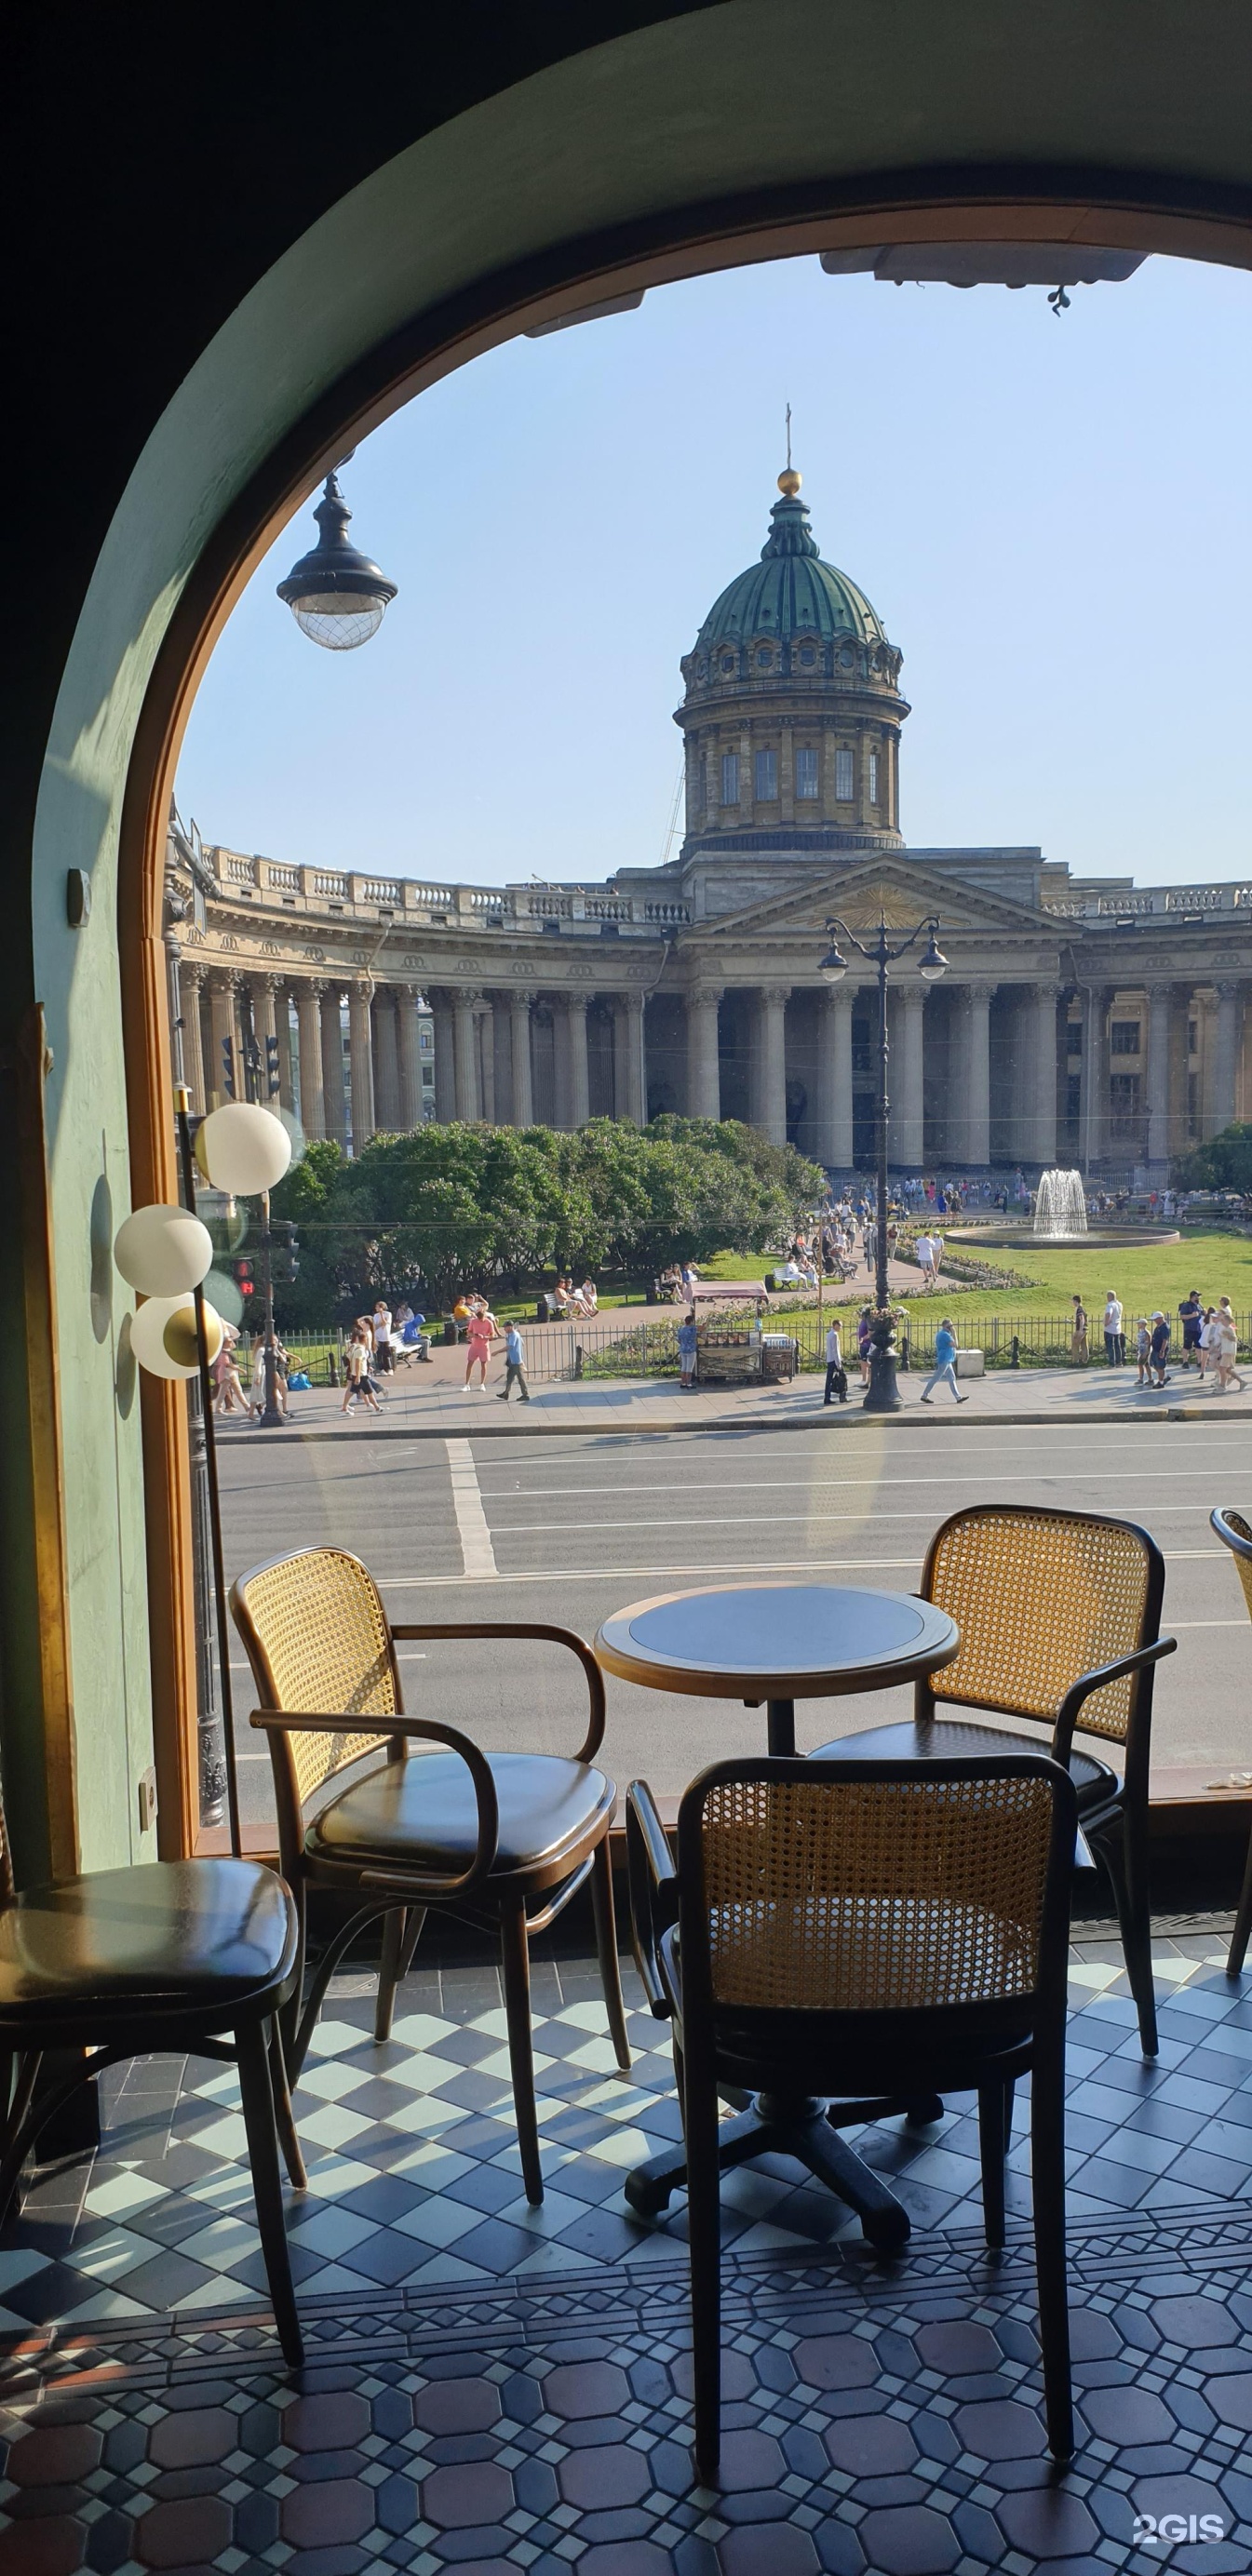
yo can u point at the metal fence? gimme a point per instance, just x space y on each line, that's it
561 1350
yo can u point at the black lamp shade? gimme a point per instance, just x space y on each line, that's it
336 595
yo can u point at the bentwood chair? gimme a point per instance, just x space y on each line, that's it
1236 1534
194 1957
856 1927
504 1839
1060 1616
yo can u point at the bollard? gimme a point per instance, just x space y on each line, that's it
332 1372
905 1351
1015 1353
578 1359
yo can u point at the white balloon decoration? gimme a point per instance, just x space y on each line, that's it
163 1251
243 1148
163 1336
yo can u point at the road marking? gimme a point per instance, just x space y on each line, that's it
813 1519
471 1520
714 1568
1028 1475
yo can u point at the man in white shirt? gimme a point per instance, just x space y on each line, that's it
1114 1338
925 1261
381 1321
836 1374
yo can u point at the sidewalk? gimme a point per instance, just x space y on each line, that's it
430 1403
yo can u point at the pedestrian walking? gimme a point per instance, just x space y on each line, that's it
687 1347
1210 1343
358 1385
228 1396
1114 1337
514 1366
1227 1349
1143 1352
925 1261
1191 1317
944 1370
381 1326
1078 1332
836 1374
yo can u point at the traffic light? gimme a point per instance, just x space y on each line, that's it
284 1246
228 1067
271 1067
243 1277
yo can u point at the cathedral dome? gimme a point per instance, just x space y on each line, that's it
792 595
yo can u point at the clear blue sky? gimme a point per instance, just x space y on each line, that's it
1051 516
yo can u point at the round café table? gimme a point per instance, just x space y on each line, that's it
775 1643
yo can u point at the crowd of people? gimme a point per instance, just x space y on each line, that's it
1209 1339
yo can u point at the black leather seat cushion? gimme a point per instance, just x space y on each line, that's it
424 1811
190 1932
954 1739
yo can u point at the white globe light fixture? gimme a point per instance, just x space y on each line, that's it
163 1251
337 596
163 1336
243 1149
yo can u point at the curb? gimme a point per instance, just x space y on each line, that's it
905 1420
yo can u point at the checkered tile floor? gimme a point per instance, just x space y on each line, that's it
497 2386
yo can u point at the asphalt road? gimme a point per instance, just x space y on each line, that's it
568 1530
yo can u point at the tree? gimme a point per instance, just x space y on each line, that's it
1224 1163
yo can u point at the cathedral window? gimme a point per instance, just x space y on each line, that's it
843 776
873 778
766 776
765 660
730 778
728 666
1124 1037
807 657
806 772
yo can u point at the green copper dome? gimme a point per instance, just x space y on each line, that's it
791 593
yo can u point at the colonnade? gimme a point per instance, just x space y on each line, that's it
981 1071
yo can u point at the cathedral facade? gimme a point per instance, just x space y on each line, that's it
1081 1020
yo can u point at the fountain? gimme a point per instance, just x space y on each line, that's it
1060 1206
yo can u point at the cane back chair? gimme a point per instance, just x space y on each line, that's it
503 1838
1236 1533
863 1928
1059 1614
191 1957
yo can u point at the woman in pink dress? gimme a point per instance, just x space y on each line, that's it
480 1333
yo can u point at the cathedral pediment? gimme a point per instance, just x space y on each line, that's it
886 885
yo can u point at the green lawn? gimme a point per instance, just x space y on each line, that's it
1219 1265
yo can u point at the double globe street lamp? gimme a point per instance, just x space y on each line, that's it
882 1395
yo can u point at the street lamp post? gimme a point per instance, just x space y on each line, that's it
882 1395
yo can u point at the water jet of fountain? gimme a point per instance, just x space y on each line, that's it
1060 1205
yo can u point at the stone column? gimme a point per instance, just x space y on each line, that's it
332 1063
190 987
286 1049
973 1076
1040 1119
834 1075
361 1064
408 1059
907 1087
519 1055
386 1061
222 1028
484 1031
1226 1053
1095 1077
502 1060
445 1055
264 1026
579 1082
704 1089
771 1057
1159 1123
309 1044
465 1055
628 1081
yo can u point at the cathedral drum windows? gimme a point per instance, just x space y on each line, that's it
806 771
766 777
730 778
844 785
873 778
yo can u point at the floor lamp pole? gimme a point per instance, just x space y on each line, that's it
187 1157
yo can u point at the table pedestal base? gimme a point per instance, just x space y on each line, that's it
807 2127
